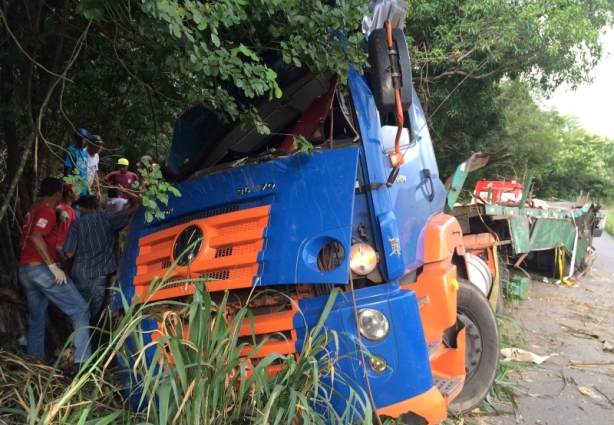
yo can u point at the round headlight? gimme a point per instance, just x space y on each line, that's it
377 364
373 324
363 258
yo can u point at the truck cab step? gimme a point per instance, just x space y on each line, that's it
447 386
432 347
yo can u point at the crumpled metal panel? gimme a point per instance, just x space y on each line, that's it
549 233
520 232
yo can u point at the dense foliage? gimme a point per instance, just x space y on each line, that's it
462 50
562 158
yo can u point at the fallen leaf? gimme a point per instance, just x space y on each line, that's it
588 392
520 355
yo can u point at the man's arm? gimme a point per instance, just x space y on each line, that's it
41 247
69 163
134 203
96 185
70 244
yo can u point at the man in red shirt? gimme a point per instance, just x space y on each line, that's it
123 178
43 280
66 215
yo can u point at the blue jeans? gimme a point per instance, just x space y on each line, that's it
92 290
40 287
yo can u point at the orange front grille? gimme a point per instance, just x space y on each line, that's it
276 327
227 259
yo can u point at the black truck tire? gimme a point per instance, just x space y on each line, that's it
482 343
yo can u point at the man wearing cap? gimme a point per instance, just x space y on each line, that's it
122 178
75 158
44 281
93 150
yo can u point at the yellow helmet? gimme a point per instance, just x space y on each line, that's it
122 161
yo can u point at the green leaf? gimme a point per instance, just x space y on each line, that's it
196 16
215 39
105 420
91 9
247 52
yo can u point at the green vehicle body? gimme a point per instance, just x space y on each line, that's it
527 235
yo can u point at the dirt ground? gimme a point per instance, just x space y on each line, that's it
575 326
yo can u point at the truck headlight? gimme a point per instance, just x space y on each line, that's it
363 259
373 324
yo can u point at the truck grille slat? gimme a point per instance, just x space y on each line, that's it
203 214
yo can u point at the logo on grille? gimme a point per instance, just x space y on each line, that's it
188 245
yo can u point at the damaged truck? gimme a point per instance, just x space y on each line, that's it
363 212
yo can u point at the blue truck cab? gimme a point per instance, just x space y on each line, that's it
361 212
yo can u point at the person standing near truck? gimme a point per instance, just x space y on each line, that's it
93 158
75 158
122 178
145 168
91 242
44 281
114 200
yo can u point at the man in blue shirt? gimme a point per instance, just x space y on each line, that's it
76 158
91 242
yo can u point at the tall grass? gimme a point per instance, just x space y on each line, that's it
192 373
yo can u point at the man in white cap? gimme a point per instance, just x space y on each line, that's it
123 178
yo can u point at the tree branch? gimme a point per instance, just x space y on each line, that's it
35 131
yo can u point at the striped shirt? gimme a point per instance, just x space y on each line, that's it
92 239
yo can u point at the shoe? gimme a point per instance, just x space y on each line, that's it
72 371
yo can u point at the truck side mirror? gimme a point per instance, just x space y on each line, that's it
390 68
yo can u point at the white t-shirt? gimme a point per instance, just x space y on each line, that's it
115 204
92 167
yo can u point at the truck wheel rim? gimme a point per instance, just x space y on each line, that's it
473 354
